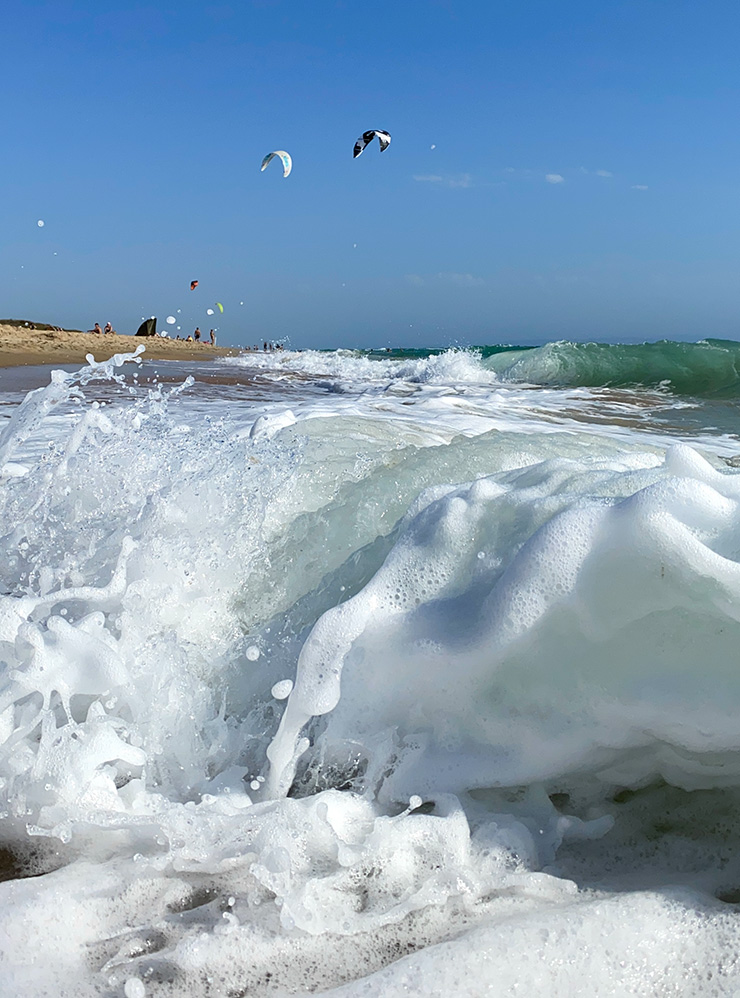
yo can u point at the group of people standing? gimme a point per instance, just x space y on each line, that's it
197 336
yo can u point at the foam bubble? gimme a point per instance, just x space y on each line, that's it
282 689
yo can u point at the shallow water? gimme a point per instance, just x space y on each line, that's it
367 676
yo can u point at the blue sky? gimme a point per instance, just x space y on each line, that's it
556 171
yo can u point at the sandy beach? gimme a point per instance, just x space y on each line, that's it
20 346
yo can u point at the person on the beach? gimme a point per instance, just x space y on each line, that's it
97 329
189 339
196 334
109 329
213 338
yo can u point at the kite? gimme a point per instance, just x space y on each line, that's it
219 306
193 285
284 158
367 137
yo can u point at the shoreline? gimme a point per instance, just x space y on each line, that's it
21 347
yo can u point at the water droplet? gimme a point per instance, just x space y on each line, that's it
134 988
282 689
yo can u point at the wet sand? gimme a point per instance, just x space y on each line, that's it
22 346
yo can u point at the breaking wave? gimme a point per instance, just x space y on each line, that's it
708 368
294 703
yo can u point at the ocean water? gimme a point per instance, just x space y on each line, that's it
372 674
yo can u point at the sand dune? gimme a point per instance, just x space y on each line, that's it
20 345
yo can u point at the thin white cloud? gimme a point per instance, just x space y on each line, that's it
639 187
604 173
460 180
445 277
554 178
461 280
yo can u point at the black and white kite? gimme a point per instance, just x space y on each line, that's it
367 137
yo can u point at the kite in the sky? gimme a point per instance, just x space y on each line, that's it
367 137
219 306
283 156
193 285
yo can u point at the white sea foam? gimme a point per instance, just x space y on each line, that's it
456 391
284 699
575 602
350 367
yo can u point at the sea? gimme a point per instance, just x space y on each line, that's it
372 673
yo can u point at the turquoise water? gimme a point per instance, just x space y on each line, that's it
710 367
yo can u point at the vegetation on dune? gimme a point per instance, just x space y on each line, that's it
39 326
